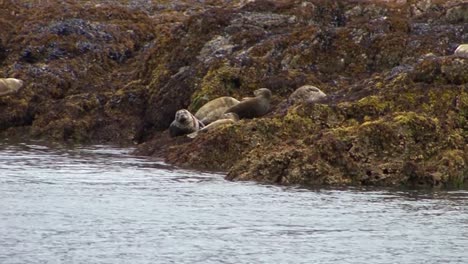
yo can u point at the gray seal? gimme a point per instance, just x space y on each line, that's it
9 85
253 106
306 94
214 109
184 123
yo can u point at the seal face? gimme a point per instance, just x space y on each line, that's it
306 94
253 106
214 109
184 123
226 119
9 85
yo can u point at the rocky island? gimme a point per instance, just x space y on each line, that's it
394 73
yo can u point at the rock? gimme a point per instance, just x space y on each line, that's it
420 7
457 14
217 48
260 20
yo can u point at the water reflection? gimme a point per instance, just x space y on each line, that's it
99 204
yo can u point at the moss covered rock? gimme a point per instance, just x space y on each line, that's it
117 71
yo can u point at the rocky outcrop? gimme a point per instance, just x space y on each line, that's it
117 71
397 96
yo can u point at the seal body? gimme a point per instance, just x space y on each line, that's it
184 123
306 94
226 119
462 51
214 109
9 85
253 106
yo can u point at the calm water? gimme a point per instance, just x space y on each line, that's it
101 205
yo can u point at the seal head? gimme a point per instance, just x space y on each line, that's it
253 106
10 85
462 51
184 123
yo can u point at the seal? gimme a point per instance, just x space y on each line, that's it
226 119
214 109
462 51
306 94
253 106
184 123
9 85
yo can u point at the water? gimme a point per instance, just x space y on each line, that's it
101 205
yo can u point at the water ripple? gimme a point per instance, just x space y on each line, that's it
99 204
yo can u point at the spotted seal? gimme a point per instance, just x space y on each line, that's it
462 51
253 106
214 109
184 123
226 119
9 85
306 94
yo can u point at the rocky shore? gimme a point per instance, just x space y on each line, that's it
117 71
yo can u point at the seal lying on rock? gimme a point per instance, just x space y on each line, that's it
184 123
226 119
9 85
214 109
306 94
254 106
462 51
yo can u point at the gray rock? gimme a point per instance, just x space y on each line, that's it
218 47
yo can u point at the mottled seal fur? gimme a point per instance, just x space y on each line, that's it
306 94
214 109
254 106
226 119
184 123
9 85
462 51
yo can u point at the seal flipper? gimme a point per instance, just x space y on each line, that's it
201 124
